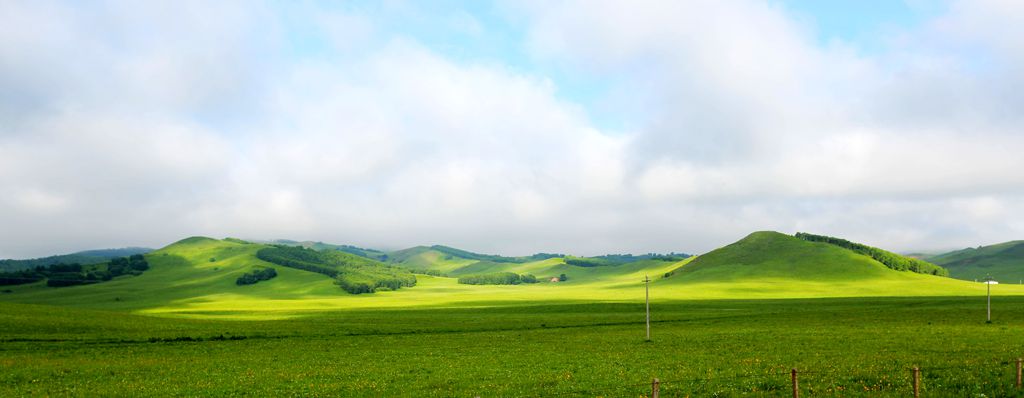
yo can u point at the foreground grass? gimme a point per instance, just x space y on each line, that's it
849 347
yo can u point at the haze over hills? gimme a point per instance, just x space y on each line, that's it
1003 262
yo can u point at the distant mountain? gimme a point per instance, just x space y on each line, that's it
83 257
1003 261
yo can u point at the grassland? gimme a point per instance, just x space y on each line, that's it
847 347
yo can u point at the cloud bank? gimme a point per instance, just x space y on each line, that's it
138 124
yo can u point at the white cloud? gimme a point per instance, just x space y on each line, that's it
138 124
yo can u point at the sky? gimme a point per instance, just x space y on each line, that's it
583 127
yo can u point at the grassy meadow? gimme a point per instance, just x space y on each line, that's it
848 347
728 323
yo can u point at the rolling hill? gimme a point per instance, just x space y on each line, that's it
772 264
196 277
1003 261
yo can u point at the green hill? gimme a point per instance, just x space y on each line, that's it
1003 261
771 264
775 255
450 261
87 257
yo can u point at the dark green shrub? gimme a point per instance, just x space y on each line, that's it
497 278
252 277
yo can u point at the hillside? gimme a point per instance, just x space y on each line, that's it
776 255
355 274
1003 261
321 246
772 264
86 257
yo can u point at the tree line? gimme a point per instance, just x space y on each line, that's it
619 259
88 257
889 259
497 278
352 273
451 251
60 275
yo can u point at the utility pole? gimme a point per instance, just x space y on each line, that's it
647 294
988 283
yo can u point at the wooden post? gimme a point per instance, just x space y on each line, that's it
1019 360
796 386
917 382
655 388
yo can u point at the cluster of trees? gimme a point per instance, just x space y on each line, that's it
357 281
618 259
88 257
20 277
668 257
589 261
424 271
890 259
562 278
59 275
123 265
352 273
498 278
298 258
251 278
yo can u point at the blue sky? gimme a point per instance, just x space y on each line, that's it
493 33
510 127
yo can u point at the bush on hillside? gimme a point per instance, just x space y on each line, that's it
497 278
618 259
424 271
20 277
253 277
298 258
587 262
61 279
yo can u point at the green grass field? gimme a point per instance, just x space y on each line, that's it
731 322
848 347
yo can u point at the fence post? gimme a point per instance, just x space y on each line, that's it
917 382
796 386
655 388
1018 372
